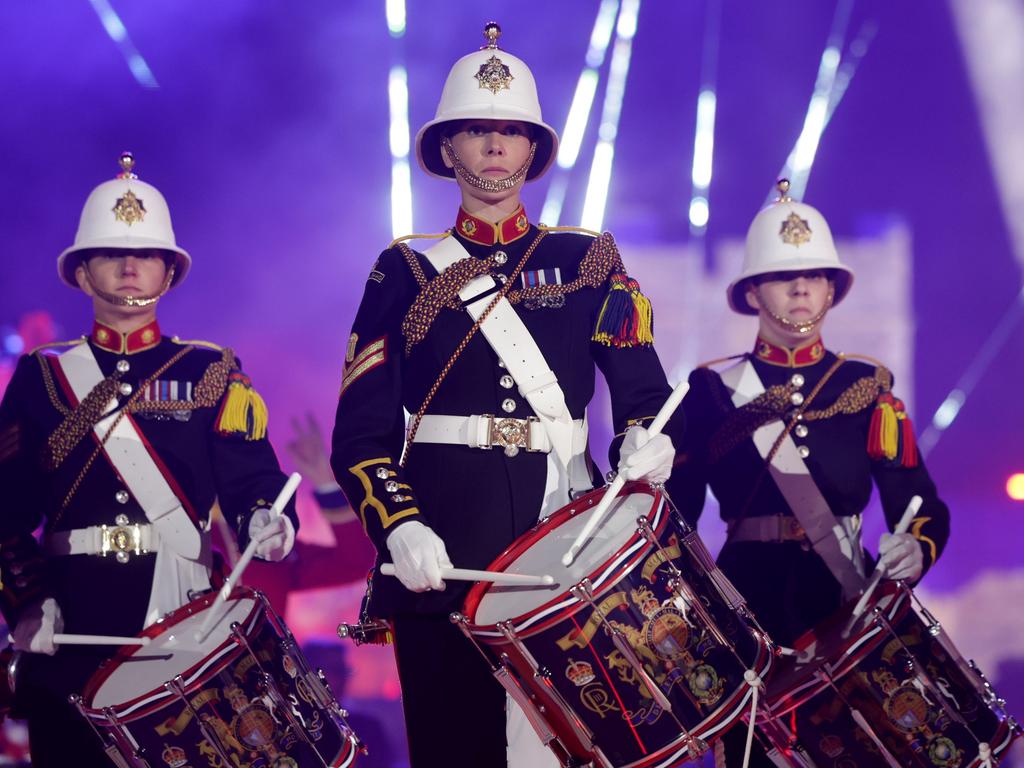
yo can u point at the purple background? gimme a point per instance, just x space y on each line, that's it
268 136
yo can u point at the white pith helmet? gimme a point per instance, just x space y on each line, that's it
788 236
124 213
488 84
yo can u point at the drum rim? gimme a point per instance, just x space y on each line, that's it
125 652
479 590
851 652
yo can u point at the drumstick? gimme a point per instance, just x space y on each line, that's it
61 638
908 515
470 574
243 561
597 516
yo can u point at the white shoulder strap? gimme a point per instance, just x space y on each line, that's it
838 547
180 543
509 337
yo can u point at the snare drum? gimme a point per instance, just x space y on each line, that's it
636 655
890 690
243 697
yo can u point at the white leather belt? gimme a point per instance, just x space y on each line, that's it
489 431
122 540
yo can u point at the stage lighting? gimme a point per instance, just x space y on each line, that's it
1015 486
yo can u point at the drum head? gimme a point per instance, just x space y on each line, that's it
173 651
540 551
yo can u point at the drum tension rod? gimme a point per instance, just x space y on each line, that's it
543 678
109 746
680 587
177 687
504 674
270 685
584 592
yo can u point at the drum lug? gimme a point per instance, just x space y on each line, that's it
584 592
177 687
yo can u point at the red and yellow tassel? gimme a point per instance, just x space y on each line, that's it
891 433
243 410
626 318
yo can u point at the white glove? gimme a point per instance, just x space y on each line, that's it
901 556
419 555
643 457
38 623
274 538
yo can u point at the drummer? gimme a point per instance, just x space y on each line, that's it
790 436
117 443
498 432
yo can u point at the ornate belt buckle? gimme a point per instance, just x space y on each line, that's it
122 538
511 434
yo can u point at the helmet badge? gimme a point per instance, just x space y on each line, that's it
129 208
795 231
494 75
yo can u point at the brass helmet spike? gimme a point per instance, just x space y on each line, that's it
492 32
127 163
783 186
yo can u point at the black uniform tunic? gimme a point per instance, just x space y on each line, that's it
50 477
478 501
786 583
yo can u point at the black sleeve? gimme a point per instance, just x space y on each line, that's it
901 478
687 486
246 472
369 426
22 571
636 380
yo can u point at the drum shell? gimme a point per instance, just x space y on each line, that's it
573 671
227 692
904 677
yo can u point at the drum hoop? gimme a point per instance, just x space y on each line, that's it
197 673
852 653
614 564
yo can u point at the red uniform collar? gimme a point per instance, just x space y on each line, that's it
105 337
485 233
806 354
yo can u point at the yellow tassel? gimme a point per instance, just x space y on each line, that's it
890 431
645 330
244 411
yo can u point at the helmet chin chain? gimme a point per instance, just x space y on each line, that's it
132 301
805 328
487 185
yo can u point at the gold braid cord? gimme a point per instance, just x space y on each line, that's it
51 524
774 402
601 260
462 345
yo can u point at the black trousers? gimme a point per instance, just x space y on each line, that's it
58 735
454 708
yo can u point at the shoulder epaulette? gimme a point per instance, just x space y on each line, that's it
718 360
54 344
882 373
433 236
580 230
198 343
